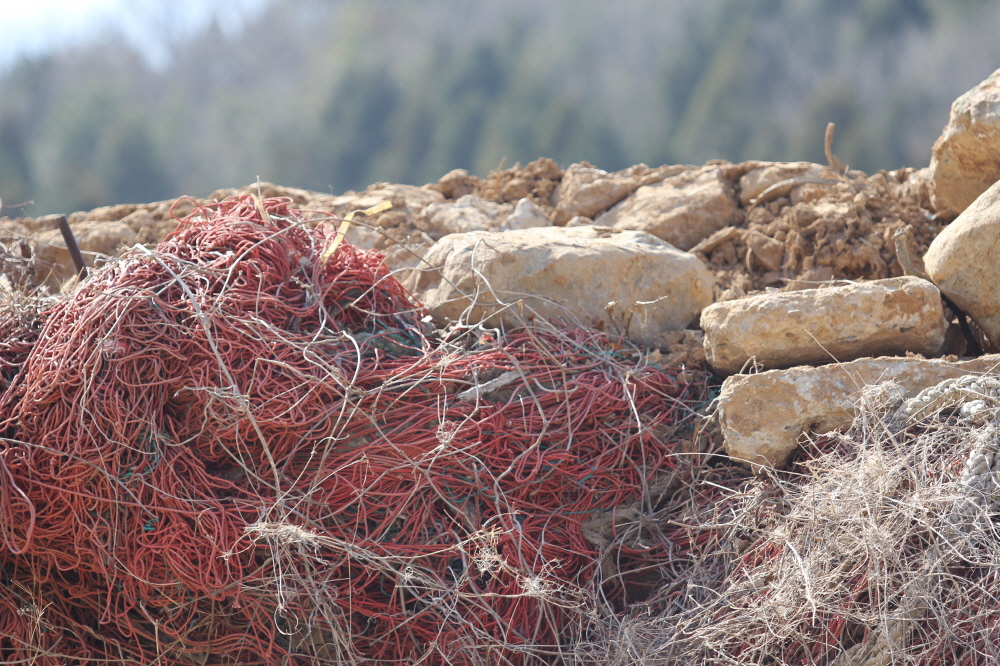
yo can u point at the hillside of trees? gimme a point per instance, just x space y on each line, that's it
338 94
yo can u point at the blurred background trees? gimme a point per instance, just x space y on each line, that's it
337 94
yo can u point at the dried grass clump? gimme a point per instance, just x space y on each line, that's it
879 548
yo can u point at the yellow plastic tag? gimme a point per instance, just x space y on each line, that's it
346 224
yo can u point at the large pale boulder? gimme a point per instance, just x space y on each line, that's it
625 281
682 210
754 182
966 157
97 241
763 416
962 261
781 329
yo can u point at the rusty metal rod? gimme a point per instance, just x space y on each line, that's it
71 245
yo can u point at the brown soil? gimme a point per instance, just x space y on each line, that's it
840 231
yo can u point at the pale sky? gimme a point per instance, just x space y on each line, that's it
29 27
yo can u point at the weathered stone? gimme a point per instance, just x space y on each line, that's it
764 249
526 215
625 281
468 213
962 261
682 210
716 239
408 202
97 240
112 213
587 191
763 416
515 189
148 228
409 198
781 329
457 183
966 157
753 183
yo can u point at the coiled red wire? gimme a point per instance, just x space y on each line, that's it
231 451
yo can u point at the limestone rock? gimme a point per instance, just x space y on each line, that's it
97 241
754 182
457 183
962 261
148 228
762 416
781 329
966 157
718 238
515 189
112 213
468 213
383 230
765 250
526 215
683 209
614 280
587 191
407 198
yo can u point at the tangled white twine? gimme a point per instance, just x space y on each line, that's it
976 399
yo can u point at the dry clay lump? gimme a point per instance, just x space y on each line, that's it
625 281
891 316
966 157
963 261
763 416
683 209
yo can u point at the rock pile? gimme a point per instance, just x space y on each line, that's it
757 266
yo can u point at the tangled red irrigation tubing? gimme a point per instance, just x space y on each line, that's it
19 325
230 451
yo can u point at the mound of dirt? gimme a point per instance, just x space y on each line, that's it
843 229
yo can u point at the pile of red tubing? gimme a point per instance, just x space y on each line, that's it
230 451
19 325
